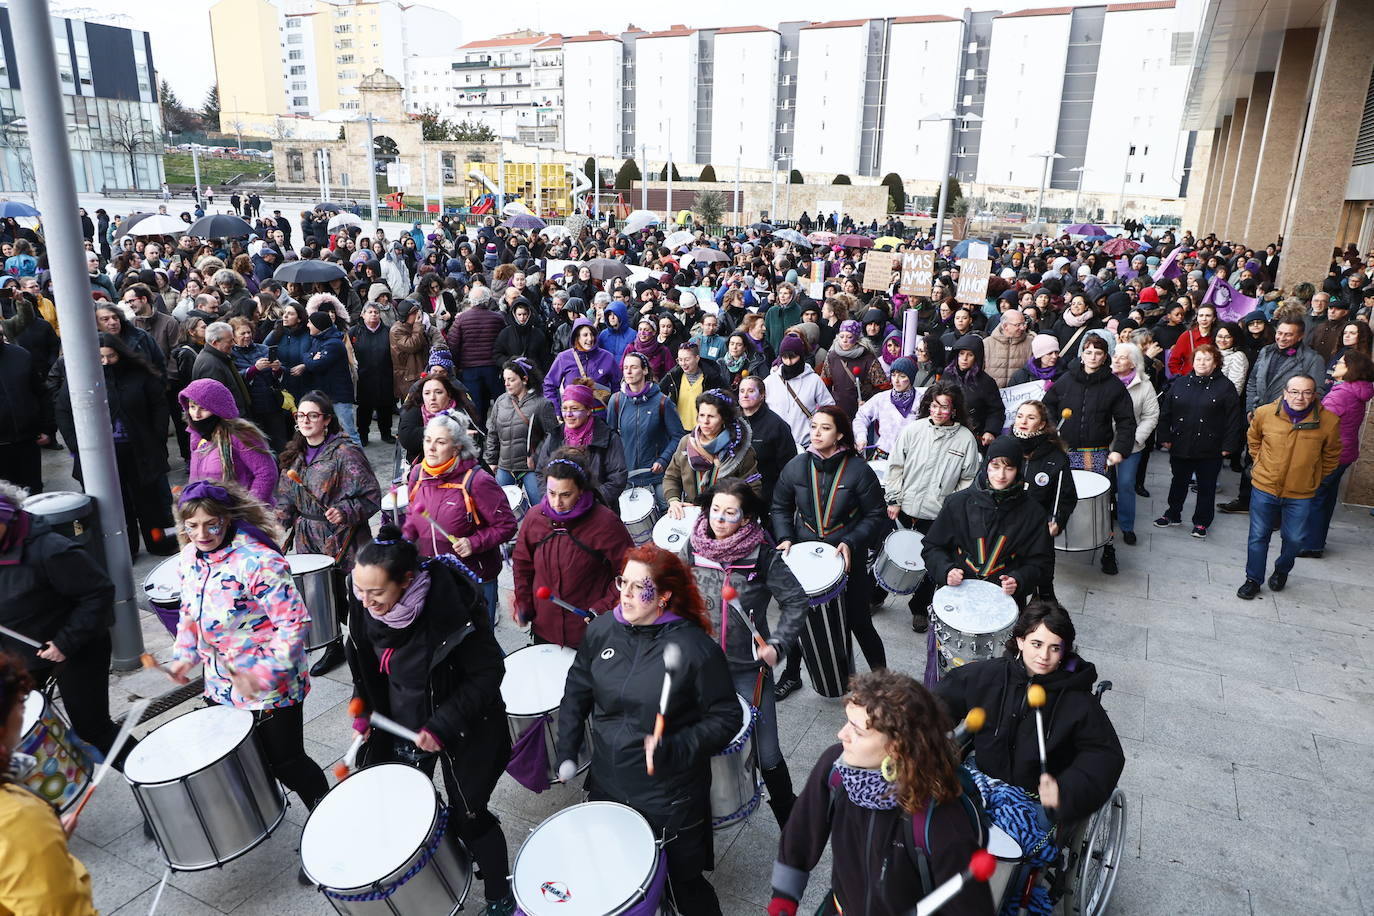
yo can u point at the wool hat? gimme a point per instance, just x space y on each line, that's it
792 345
1044 345
211 395
579 394
1005 447
1149 295
905 365
851 326
321 321
440 357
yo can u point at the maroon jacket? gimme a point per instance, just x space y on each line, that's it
578 562
444 498
472 337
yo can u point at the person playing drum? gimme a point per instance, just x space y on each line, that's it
471 515
1045 470
730 547
421 655
992 530
892 777
38 874
828 493
1083 757
571 544
647 422
721 446
242 618
616 681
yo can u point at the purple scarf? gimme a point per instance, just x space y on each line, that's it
404 611
579 509
903 400
1043 373
581 437
1297 416
726 550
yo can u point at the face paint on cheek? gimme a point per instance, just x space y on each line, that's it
724 516
215 530
648 592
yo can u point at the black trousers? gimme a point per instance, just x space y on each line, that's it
84 683
384 408
21 464
281 732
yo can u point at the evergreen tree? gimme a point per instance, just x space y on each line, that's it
628 175
210 109
708 173
841 179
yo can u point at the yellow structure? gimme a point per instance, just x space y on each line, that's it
245 38
550 196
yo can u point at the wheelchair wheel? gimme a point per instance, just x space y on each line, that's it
1099 857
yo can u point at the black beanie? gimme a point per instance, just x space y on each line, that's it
321 321
1005 447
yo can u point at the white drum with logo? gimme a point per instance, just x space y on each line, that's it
639 512
532 689
1007 852
899 567
675 534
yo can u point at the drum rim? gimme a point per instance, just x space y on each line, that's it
746 731
43 705
638 892
201 769
826 592
935 609
148 585
305 572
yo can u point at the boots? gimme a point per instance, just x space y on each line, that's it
490 854
1109 560
332 658
780 794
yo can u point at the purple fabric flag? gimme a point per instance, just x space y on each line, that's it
1230 303
529 759
1170 269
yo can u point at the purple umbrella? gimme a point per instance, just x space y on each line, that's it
524 221
1086 229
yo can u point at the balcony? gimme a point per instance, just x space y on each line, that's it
469 65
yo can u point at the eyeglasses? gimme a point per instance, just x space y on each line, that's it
575 410
309 416
1299 394
621 583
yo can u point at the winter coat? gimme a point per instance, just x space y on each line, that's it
778 318
1292 460
264 388
1081 747
326 366
1235 365
527 340
1005 357
577 560
1200 417
857 516
872 870
615 340
1348 400
712 376
773 446
53 589
472 338
684 482
165 331
890 421
604 459
1181 353
240 609
510 427
255 470
927 463
968 528
986 411
467 502
1272 370
808 389
1145 407
138 412
24 403
847 388
759 577
410 346
376 380
615 683
293 347
341 478
211 363
1045 470
1103 415
38 873
648 425
1065 333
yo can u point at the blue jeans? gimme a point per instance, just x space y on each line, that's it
766 727
1268 512
530 481
1323 507
491 591
484 385
348 419
1125 491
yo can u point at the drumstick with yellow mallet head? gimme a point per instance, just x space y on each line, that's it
672 657
1054 508
972 723
1035 698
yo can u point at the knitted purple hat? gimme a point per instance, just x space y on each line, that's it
211 395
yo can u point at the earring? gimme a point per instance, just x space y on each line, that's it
889 769
663 604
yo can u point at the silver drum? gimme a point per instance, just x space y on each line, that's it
532 689
899 567
314 575
639 512
735 774
204 788
971 622
1090 526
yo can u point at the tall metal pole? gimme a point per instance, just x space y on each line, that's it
788 206
1044 177
596 191
773 211
424 180
56 191
501 182
739 157
372 175
668 173
644 179
1125 177
944 189
1077 194
195 165
538 188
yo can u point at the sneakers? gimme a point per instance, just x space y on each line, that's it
1234 507
1311 554
500 907
1109 560
1249 591
1164 521
786 687
1277 581
1199 531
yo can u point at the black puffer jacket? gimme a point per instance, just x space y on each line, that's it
1200 416
774 446
969 526
986 411
604 460
615 680
373 352
1102 412
759 578
51 589
858 514
23 397
1042 469
1081 746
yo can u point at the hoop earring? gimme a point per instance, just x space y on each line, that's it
888 768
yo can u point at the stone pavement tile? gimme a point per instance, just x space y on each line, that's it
1127 711
1129 581
510 797
744 872
111 813
1159 681
1283 707
1338 678
1346 764
1183 618
1221 657
326 694
1251 856
172 903
1328 615
283 895
1232 738
795 719
1303 810
1094 632
1359 598
1304 584
1160 889
1302 643
1183 778
1364 880
114 882
1177 542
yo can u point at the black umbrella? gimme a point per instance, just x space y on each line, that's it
762 227
311 271
604 269
220 226
329 206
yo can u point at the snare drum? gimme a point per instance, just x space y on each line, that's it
639 512
899 567
675 534
1007 852
971 622
1090 526
518 500
825 640
163 588
394 502
879 468
314 575
734 774
62 763
593 859
380 843
204 788
532 689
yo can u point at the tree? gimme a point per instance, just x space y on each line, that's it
896 192
473 132
709 205
663 175
434 127
281 129
628 175
130 134
841 179
589 169
175 116
708 173
953 193
209 111
796 178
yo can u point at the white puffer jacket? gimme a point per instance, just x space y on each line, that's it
927 464
1145 403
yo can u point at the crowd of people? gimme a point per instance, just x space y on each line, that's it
528 380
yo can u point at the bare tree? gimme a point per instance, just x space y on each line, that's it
281 129
14 136
236 125
129 134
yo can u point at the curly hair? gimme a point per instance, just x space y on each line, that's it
955 393
916 726
670 575
241 507
15 684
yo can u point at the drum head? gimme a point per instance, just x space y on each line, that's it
903 547
33 711
369 826
163 584
817 566
636 503
587 860
673 533
1090 484
58 506
391 499
513 496
188 744
1001 845
303 563
534 679
975 607
879 468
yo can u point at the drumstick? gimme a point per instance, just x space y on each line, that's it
973 722
981 865
350 758
544 593
730 593
377 720
566 771
21 637
672 657
131 718
295 478
1035 698
147 661
1059 488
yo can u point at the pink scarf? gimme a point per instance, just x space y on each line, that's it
581 437
725 550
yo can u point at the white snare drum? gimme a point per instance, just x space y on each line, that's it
532 689
314 576
899 567
825 640
204 788
394 502
593 859
380 843
879 468
62 765
676 534
1007 852
163 588
516 497
1090 526
971 622
734 774
639 512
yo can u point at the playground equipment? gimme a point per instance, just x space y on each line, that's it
551 195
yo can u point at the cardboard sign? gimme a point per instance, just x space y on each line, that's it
1015 396
973 281
918 274
878 267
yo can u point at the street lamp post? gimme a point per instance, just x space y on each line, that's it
1125 177
1044 180
1078 191
949 116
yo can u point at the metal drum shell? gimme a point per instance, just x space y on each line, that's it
894 575
954 646
1008 854
734 774
641 526
1090 526
320 594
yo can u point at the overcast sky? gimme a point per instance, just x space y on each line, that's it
181 28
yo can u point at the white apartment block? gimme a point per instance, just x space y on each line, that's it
666 69
593 94
922 79
830 96
744 95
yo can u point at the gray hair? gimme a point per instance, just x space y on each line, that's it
227 276
601 298
456 423
1134 352
560 294
479 297
217 331
1140 335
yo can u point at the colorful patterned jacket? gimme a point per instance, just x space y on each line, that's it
341 478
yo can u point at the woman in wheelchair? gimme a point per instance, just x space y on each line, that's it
891 801
1083 756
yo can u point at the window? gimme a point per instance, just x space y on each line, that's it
343 29
1131 150
343 43
299 86
448 168
1147 151
298 70
293 55
344 59
300 101
293 23
293 39
295 165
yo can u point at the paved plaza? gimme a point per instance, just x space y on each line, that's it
1248 729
